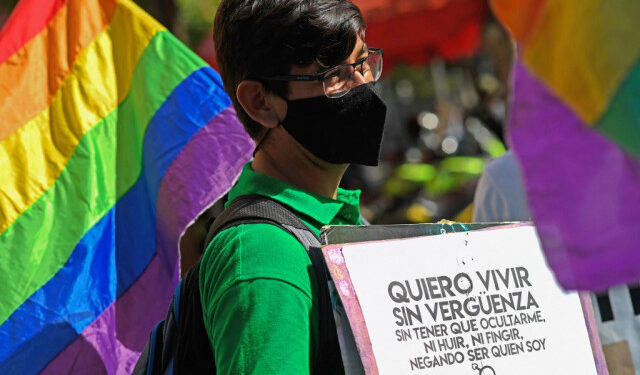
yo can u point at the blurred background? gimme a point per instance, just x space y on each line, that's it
445 80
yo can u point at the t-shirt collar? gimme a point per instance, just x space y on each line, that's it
315 206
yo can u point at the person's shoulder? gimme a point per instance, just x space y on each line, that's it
256 251
503 167
500 194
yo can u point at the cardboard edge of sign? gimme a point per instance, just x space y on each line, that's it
342 280
337 268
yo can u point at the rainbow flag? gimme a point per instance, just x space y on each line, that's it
575 129
114 137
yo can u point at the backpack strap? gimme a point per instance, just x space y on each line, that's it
255 208
260 209
192 353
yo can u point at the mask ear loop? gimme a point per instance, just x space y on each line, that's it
268 129
260 141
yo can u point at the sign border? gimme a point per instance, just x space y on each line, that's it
340 274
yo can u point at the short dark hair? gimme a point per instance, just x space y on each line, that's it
263 38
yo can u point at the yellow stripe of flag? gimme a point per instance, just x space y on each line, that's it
34 155
583 50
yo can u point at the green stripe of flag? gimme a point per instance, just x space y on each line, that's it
621 121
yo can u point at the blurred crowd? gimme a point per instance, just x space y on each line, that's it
445 121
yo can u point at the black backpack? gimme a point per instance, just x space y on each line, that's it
179 344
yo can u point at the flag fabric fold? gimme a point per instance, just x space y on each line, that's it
115 136
574 126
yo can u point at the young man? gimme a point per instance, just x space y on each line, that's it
301 79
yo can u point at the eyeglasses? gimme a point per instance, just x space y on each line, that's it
338 80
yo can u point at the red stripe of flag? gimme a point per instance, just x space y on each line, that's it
27 20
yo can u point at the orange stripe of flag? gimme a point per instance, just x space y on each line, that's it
17 31
37 70
519 16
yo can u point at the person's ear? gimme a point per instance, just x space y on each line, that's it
263 107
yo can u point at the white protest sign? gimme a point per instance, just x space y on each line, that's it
467 303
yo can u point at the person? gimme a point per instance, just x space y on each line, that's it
500 194
302 81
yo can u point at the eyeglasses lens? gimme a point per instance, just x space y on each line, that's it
343 78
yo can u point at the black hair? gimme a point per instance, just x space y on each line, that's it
263 38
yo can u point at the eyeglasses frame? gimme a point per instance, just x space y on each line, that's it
322 75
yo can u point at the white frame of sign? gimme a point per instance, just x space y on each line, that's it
366 264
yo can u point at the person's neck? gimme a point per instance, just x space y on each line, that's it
294 167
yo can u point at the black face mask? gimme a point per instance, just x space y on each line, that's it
341 130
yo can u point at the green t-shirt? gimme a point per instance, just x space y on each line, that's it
258 289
